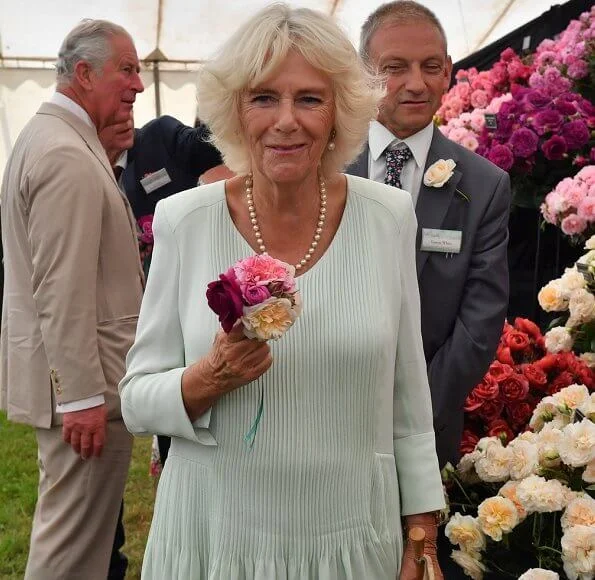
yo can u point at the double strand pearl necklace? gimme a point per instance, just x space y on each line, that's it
317 232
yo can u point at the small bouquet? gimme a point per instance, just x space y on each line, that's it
261 292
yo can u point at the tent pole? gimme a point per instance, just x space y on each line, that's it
157 85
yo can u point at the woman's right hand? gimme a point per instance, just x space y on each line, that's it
233 361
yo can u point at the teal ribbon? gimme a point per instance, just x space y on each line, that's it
251 435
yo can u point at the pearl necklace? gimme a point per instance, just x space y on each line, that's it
317 232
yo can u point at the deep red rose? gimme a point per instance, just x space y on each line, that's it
528 326
519 414
515 388
468 442
507 328
585 376
516 341
225 299
500 371
500 428
536 376
487 389
504 356
490 410
547 363
472 402
564 379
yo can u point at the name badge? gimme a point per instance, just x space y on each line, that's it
156 180
447 241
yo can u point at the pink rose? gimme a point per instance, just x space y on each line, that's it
573 224
261 270
145 224
587 174
586 209
479 99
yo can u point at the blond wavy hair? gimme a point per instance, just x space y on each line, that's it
253 54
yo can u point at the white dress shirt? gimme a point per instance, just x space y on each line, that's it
63 101
380 138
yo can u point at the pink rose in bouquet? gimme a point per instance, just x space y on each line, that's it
261 292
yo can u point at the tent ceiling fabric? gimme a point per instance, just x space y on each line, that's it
189 31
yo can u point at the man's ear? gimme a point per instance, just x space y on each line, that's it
448 71
83 72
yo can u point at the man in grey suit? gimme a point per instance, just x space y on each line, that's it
71 301
462 209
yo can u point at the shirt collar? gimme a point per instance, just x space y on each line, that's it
67 103
122 160
419 143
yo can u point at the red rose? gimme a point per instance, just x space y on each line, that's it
504 356
519 414
472 402
536 376
488 388
585 376
564 379
490 410
547 363
526 325
468 442
500 371
515 388
507 328
500 428
225 299
516 341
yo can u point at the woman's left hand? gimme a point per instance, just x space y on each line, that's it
409 567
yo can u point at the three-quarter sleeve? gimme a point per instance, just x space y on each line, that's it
151 390
413 434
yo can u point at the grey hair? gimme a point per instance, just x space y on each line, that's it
398 12
90 40
255 51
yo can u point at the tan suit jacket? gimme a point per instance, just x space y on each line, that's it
73 280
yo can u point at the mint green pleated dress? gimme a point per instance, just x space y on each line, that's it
345 446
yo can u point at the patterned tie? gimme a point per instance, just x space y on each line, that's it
395 161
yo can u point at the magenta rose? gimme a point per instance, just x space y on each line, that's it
576 134
145 224
536 99
256 294
567 108
501 156
548 121
524 142
225 299
555 148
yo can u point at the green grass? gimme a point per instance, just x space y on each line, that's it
18 492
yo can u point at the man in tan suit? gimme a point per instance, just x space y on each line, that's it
71 299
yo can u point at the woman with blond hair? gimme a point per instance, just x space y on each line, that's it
345 447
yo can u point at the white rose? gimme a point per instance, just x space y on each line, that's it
571 397
528 436
572 280
465 532
577 447
544 412
524 459
538 495
578 551
579 512
466 467
589 473
581 306
588 358
496 516
548 443
508 490
493 465
590 243
588 258
439 173
558 339
539 574
551 297
587 408
470 562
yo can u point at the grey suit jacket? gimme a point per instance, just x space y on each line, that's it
73 276
464 297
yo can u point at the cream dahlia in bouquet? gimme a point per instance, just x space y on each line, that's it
260 291
526 509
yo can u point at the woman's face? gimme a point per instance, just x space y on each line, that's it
287 120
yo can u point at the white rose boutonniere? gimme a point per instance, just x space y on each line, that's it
439 173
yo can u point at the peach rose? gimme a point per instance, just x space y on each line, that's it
497 515
439 173
268 320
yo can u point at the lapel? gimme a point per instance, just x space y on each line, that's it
433 202
360 166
